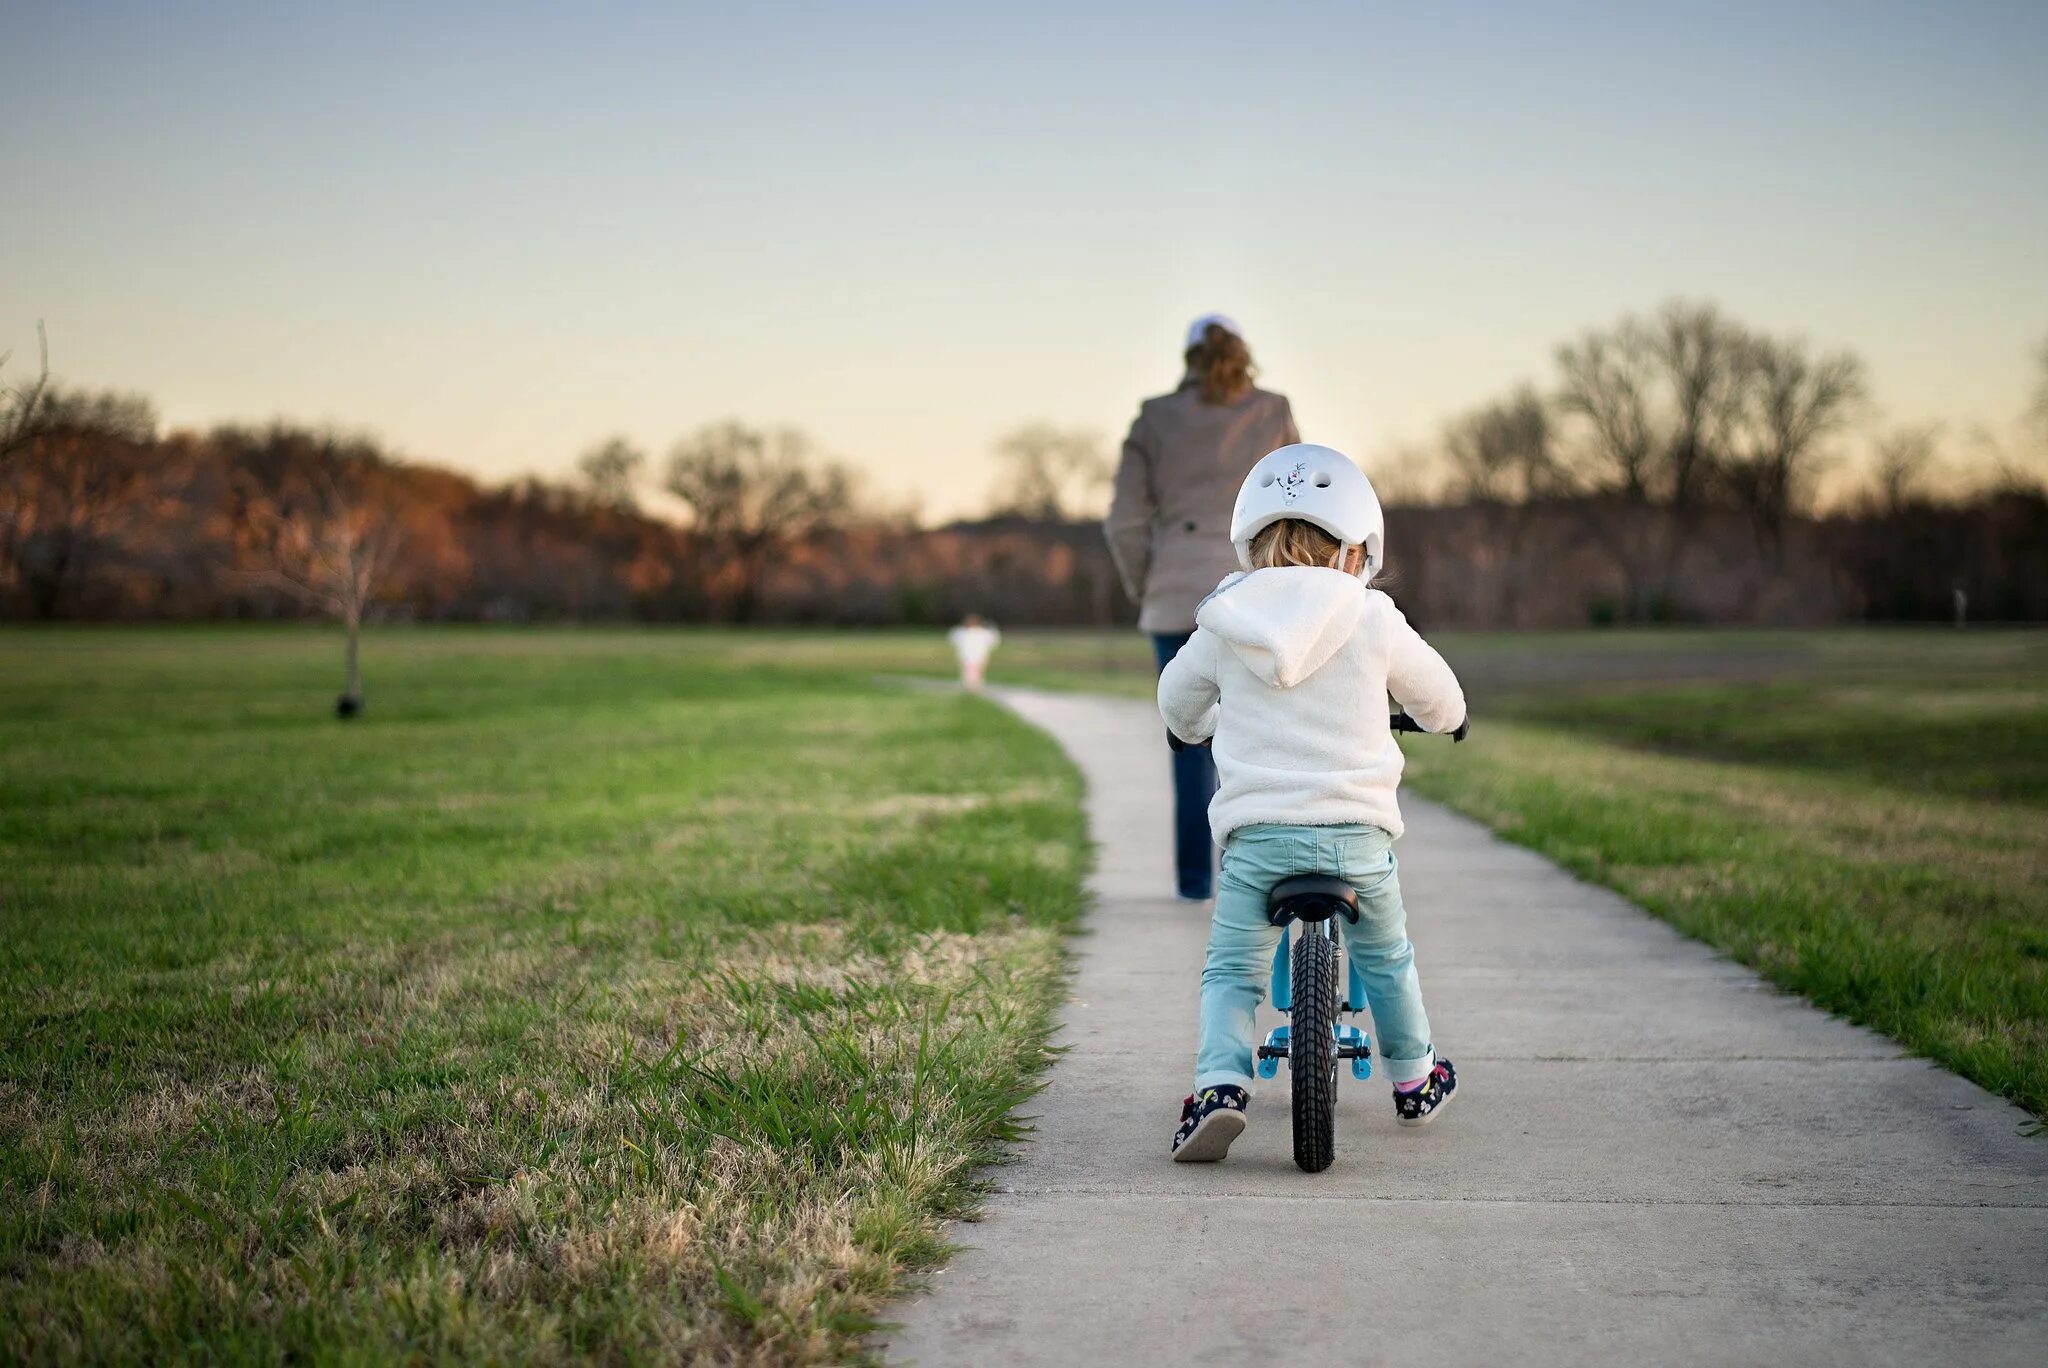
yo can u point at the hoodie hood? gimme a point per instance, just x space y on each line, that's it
1284 624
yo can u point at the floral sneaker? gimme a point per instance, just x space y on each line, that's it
1418 1107
1209 1121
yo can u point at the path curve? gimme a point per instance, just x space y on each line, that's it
1654 1157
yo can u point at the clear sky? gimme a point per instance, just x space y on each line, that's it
493 234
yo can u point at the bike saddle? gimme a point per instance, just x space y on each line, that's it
1311 898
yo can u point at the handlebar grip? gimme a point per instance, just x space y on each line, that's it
1402 722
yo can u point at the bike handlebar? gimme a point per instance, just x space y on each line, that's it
1400 722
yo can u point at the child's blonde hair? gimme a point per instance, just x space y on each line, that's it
1292 541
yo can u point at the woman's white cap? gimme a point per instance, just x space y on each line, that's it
1200 327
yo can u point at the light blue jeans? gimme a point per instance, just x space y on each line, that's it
1242 942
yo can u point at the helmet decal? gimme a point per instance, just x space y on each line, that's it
1292 483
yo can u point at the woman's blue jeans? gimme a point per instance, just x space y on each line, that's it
1242 942
1194 784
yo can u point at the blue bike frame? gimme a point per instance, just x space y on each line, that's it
1351 1039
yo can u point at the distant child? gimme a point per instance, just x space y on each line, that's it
1288 673
974 641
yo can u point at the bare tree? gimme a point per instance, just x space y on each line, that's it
1901 461
1792 402
2037 407
1705 360
322 529
611 471
82 465
1410 475
1501 452
21 406
1608 382
1051 474
1685 409
1609 463
1501 459
1995 470
1657 397
754 495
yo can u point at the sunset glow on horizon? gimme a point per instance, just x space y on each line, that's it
494 235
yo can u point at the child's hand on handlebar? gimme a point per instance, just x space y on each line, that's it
1402 722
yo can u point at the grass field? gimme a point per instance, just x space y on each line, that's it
600 994
1861 815
651 996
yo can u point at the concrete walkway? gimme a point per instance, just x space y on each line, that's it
1653 1157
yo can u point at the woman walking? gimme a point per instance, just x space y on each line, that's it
1169 530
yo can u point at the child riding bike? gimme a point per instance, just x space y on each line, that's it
1288 675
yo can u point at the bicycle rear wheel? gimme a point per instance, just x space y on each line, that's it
1312 1049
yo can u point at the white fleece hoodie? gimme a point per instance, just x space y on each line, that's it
1289 670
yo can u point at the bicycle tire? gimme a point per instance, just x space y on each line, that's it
1312 1050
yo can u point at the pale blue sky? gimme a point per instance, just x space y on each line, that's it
493 234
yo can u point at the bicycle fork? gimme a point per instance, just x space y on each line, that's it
1352 1042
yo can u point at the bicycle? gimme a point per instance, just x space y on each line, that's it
1311 909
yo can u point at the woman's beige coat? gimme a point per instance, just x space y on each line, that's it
1169 522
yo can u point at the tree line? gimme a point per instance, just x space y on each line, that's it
1674 460
1669 471
104 516
1666 470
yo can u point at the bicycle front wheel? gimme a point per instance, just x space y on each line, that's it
1312 1050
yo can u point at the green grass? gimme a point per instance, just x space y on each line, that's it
1920 914
1859 816
599 994
1948 741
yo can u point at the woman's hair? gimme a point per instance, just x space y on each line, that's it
1223 364
1292 542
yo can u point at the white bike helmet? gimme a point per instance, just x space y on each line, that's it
1316 484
